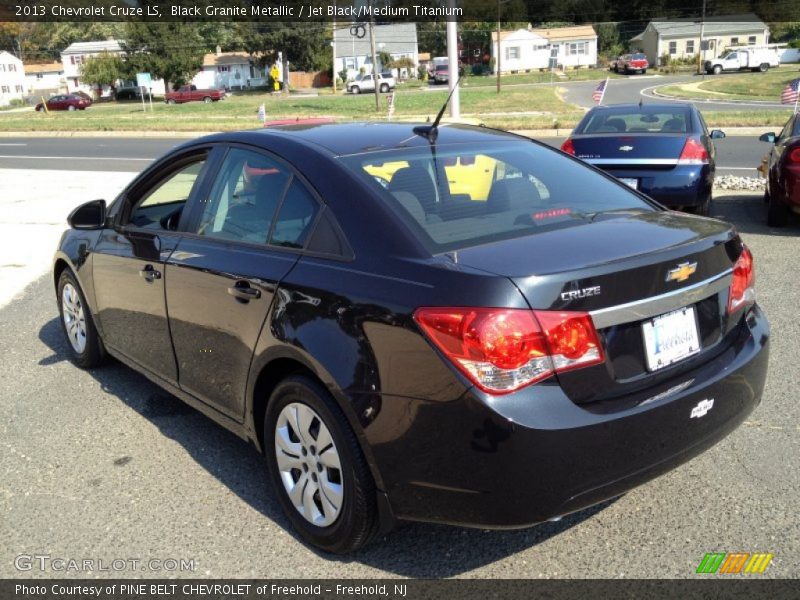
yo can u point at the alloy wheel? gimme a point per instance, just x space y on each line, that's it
74 318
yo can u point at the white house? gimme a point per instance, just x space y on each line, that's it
44 78
352 49
12 78
528 49
228 70
74 55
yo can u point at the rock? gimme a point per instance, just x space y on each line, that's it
734 182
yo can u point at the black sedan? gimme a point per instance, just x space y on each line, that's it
447 324
782 169
662 150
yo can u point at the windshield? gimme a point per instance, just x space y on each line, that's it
470 195
635 119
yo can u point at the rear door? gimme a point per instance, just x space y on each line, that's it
248 225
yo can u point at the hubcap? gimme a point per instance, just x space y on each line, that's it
74 321
309 465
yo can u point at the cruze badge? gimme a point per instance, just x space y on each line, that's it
583 293
682 272
626 148
702 408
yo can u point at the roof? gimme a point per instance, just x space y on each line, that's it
713 26
523 33
93 47
226 58
8 56
54 67
395 38
424 56
558 34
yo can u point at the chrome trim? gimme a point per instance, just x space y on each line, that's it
630 161
659 305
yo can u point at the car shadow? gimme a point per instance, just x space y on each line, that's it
748 212
411 550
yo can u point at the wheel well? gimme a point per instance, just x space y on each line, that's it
269 377
59 267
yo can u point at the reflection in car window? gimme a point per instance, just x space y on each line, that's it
168 196
295 218
244 198
468 196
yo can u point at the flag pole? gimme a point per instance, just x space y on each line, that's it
603 95
796 98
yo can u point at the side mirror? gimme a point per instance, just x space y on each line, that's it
717 134
768 137
91 215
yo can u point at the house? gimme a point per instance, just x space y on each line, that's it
398 40
229 70
74 55
528 49
12 78
44 78
681 38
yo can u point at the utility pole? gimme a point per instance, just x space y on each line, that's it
333 46
701 56
374 60
497 54
452 64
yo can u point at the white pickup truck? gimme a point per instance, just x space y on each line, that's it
755 59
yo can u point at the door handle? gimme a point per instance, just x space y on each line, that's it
243 292
150 274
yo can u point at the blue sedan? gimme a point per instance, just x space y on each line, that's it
662 150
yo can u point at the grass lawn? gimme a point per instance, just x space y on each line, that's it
736 86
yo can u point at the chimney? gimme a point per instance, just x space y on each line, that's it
219 50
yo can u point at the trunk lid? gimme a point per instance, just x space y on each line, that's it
630 150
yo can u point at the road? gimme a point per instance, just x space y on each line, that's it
736 155
102 464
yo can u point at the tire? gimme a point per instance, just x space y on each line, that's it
763 67
85 346
644 71
355 522
40 109
717 69
384 88
355 89
71 108
171 101
777 213
207 99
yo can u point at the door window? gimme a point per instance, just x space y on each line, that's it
160 207
244 198
295 218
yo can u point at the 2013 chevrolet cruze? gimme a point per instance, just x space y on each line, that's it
448 324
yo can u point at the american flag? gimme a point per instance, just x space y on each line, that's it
790 92
599 92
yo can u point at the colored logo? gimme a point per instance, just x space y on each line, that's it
734 562
682 272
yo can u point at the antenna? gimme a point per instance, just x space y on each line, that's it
430 132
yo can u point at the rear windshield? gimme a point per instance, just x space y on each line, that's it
638 57
634 119
470 195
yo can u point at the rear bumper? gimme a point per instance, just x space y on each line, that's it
516 460
682 185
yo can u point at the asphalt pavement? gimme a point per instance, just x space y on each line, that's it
104 465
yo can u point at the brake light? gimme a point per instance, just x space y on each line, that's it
743 290
568 146
502 350
693 153
794 156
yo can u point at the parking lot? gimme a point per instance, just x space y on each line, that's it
104 465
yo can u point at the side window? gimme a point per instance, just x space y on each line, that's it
244 197
160 206
295 218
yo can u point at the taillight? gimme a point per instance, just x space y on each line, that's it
693 153
568 146
793 156
743 290
502 350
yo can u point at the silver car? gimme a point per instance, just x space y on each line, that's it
365 83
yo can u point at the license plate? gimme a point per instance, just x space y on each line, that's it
630 182
670 338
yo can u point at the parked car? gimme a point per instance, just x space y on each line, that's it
662 150
366 83
129 93
632 63
404 351
742 59
190 93
441 73
65 102
783 173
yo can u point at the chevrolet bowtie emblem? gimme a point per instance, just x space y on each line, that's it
626 148
682 272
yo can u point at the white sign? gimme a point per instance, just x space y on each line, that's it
262 113
144 80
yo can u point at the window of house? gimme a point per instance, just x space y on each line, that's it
673 47
223 69
734 41
751 39
19 88
690 47
2 67
350 63
12 67
576 48
5 89
512 52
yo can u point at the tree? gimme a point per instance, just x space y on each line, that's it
170 51
306 44
103 69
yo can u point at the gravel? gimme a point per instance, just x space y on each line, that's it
736 183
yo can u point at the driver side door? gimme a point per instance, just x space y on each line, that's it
129 259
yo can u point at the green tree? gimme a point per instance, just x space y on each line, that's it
103 69
171 51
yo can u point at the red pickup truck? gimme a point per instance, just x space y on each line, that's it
190 93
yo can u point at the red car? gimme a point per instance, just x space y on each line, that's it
632 63
190 93
783 173
65 102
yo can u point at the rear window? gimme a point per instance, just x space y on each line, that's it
639 57
636 119
467 196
